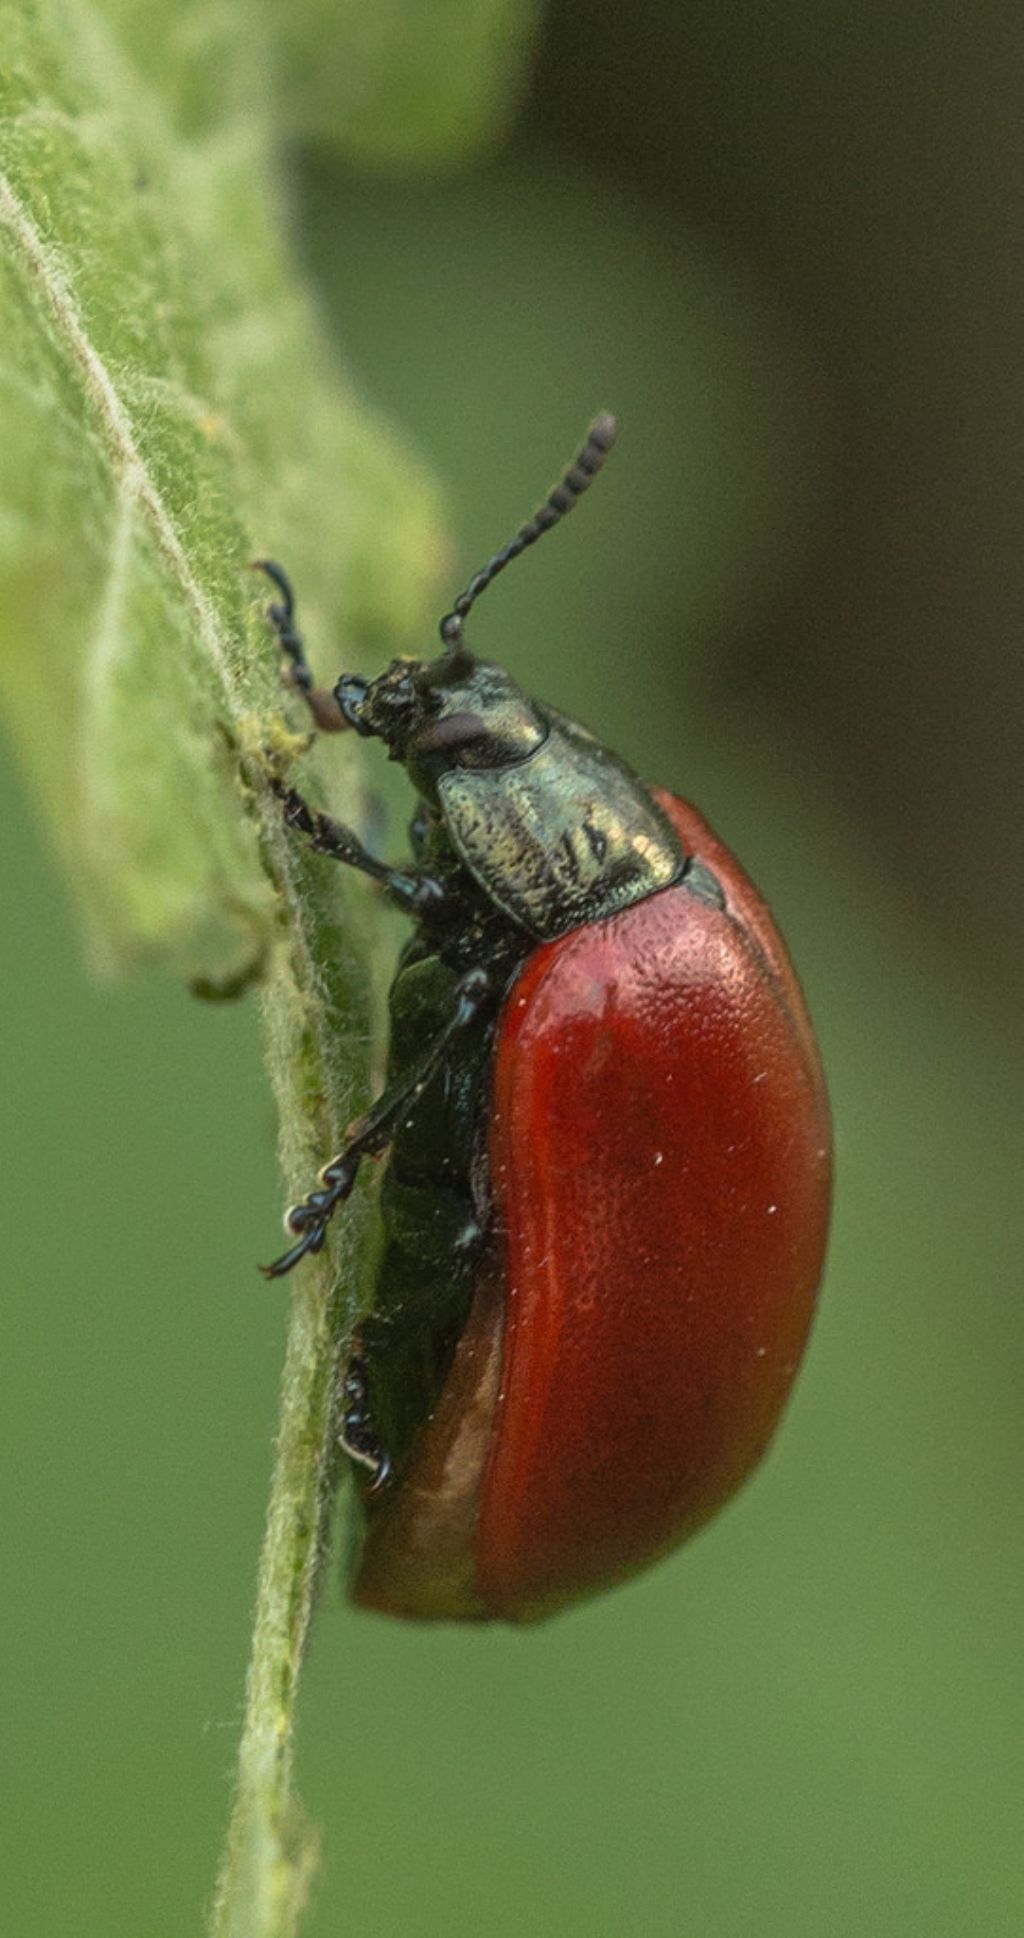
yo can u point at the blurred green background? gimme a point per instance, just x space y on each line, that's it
783 249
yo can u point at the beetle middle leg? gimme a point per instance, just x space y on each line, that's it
374 1132
411 890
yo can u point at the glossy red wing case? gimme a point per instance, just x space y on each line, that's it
660 1164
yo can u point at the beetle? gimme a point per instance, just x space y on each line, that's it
605 1201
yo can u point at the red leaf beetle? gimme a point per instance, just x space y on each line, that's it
605 1203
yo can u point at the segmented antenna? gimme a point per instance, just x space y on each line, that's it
600 438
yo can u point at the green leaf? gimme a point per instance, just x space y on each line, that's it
169 408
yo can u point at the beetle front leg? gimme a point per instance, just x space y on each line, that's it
373 1133
410 890
321 702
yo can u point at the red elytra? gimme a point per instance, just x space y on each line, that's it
659 1150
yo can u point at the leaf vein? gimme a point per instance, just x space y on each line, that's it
43 265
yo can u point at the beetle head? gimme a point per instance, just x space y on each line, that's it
456 711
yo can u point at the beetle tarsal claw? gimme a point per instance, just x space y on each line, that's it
365 1450
297 1219
338 1177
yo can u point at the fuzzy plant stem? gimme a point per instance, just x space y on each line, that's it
271 1850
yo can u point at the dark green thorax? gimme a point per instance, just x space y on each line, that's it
551 826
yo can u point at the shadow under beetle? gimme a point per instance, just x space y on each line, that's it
606 1197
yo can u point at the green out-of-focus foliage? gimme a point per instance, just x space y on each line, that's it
403 82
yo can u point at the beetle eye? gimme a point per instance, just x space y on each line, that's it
350 693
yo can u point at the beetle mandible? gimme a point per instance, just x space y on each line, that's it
605 1201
